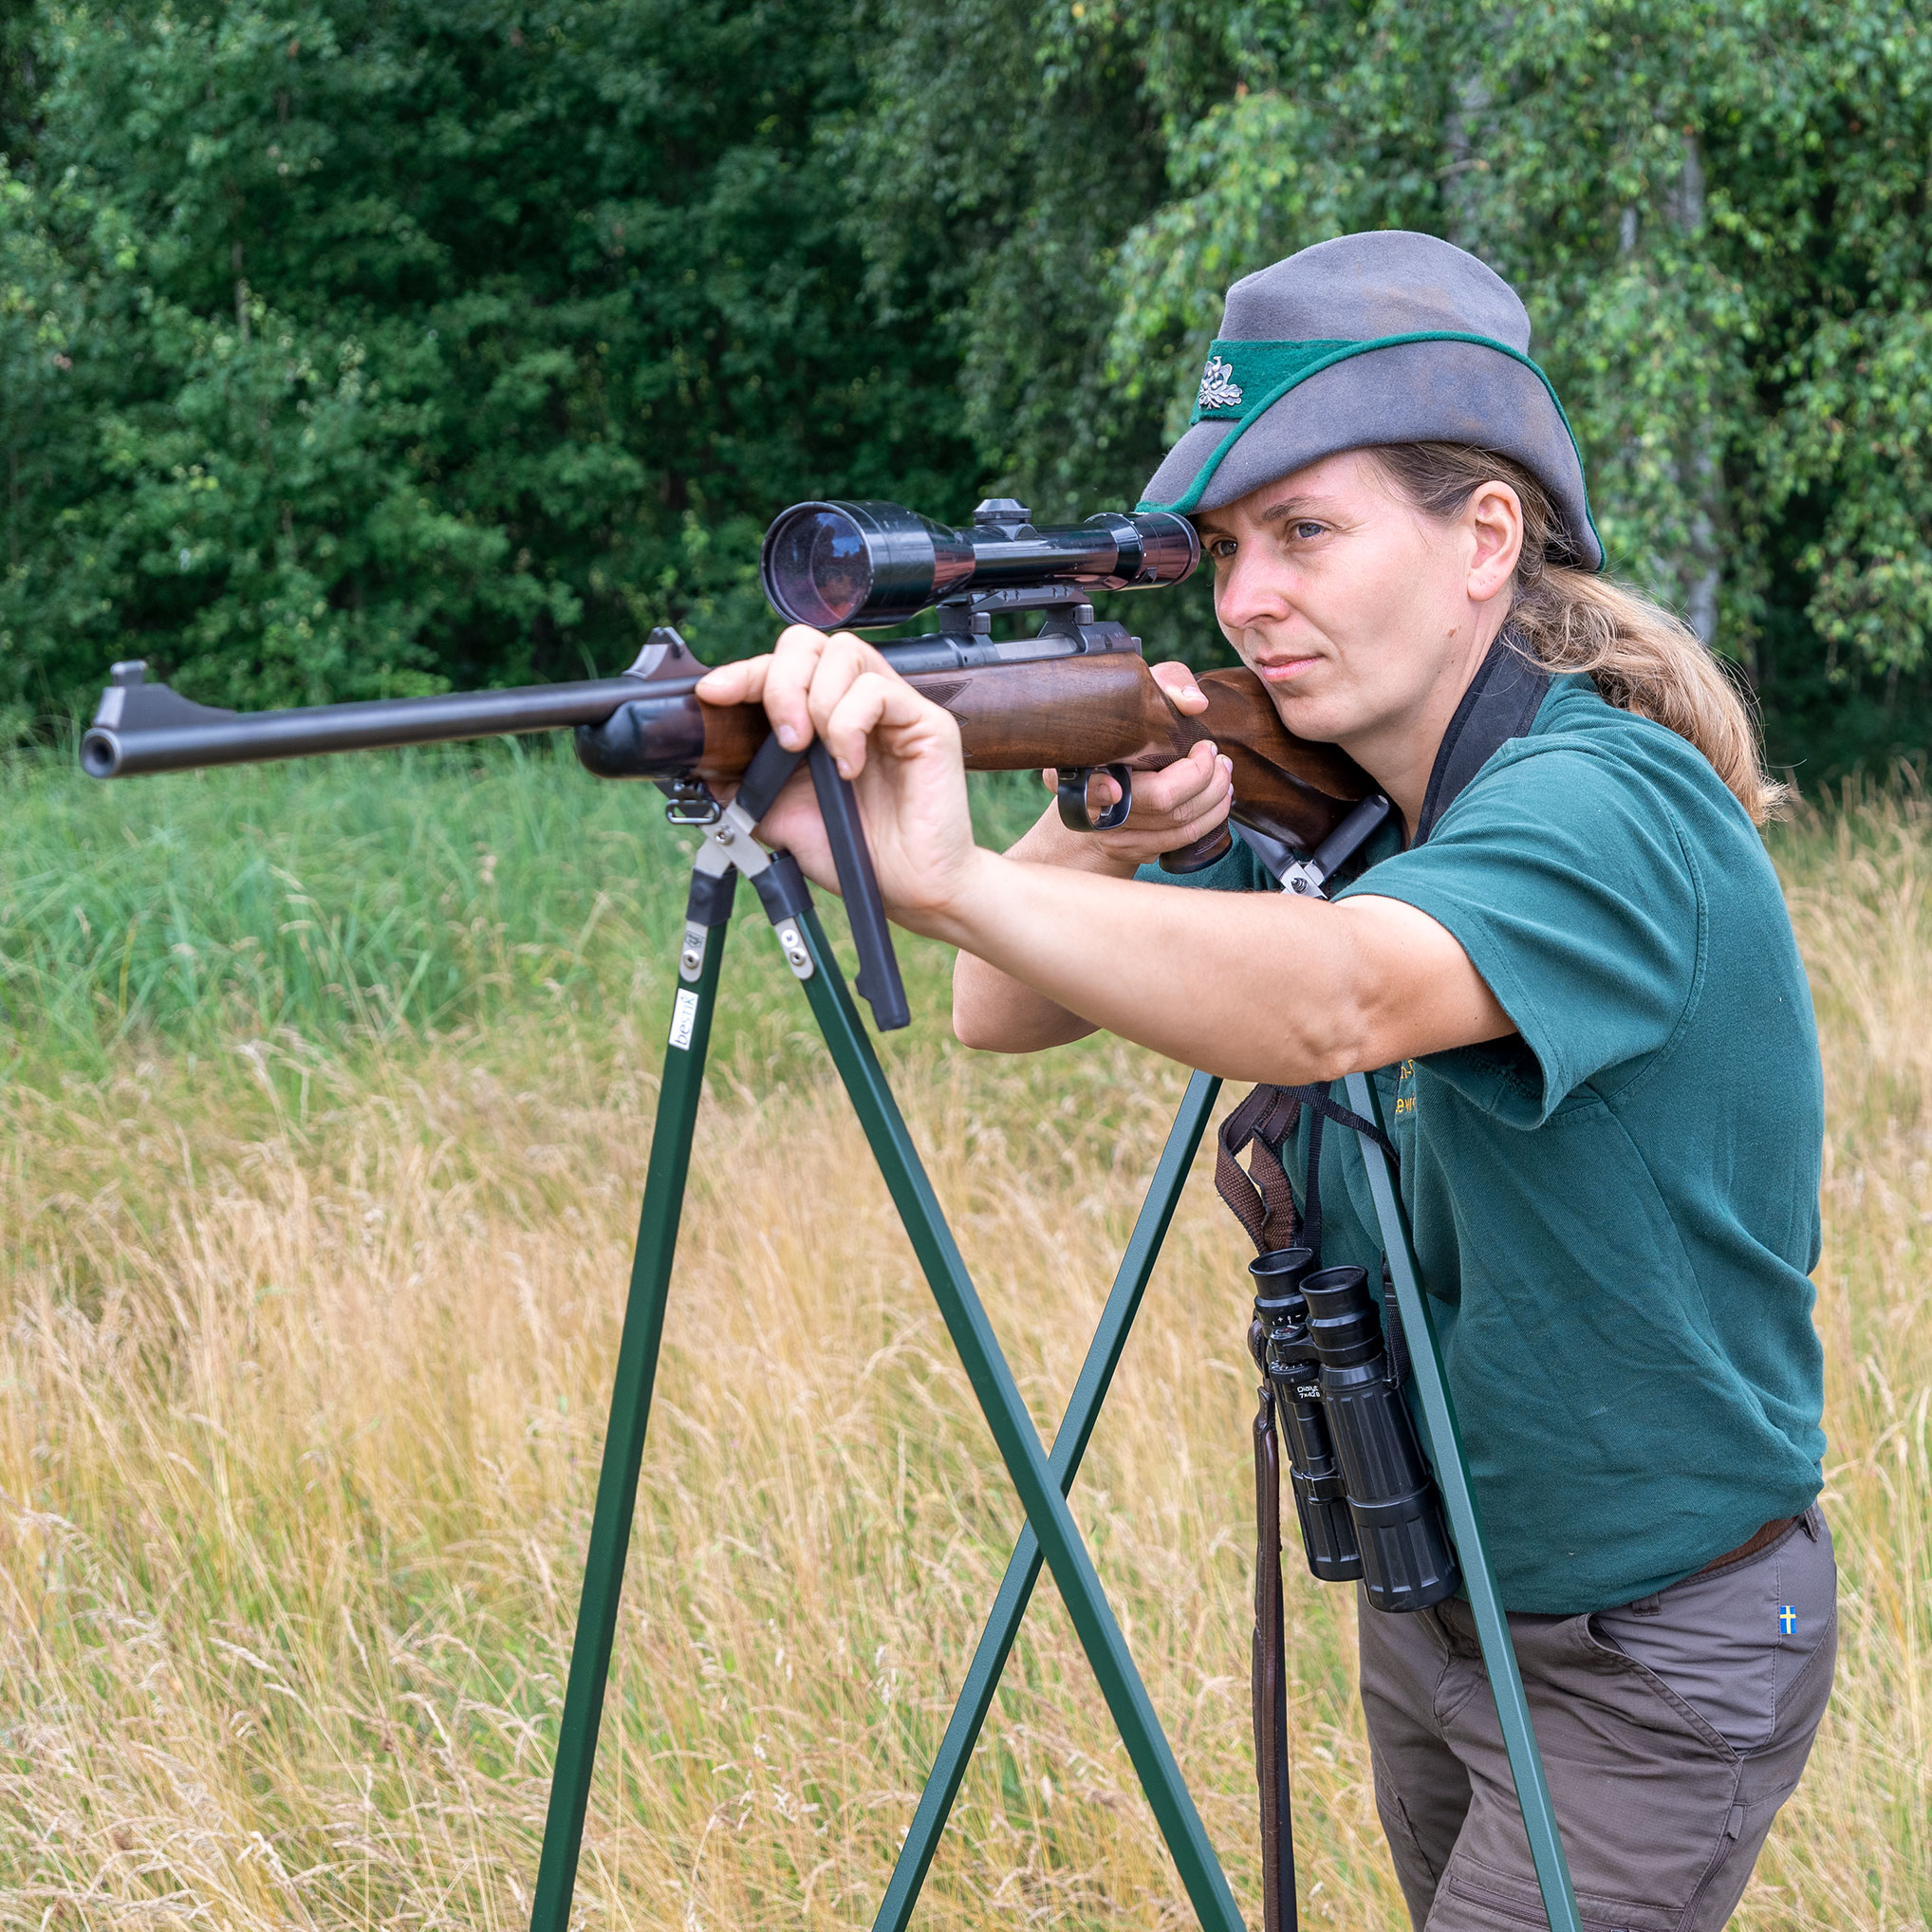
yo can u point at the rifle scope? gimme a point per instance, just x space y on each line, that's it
862 566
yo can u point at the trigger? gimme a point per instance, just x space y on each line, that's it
1072 794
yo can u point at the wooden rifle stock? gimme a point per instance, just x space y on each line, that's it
1107 709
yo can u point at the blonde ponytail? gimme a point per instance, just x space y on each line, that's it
1643 658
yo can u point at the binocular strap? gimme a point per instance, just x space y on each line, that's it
1269 1680
1263 1202
1259 1195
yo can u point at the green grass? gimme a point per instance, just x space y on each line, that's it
321 1144
351 903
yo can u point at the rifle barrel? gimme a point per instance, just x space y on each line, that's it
1075 696
142 728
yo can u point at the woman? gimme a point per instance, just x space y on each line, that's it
1595 1039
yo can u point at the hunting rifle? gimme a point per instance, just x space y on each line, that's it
1076 697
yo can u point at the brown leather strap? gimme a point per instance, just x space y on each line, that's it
1259 1195
1269 1663
1751 1545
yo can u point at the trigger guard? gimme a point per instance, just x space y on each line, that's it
1072 794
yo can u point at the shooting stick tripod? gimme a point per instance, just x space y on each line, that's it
1042 1480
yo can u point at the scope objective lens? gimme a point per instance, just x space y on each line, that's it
820 572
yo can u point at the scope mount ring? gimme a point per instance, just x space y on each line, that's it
1074 814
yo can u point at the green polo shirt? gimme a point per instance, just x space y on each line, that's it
1616 1208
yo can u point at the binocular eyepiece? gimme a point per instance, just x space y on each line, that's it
1362 1492
864 566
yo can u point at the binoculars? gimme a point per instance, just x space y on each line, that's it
1362 1494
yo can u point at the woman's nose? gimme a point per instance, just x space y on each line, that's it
1247 591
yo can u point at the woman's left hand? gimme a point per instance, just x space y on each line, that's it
900 751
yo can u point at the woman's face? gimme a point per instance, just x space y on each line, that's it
1363 617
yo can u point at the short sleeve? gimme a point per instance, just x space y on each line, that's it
1568 881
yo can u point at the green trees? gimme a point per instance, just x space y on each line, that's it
359 348
1716 214
353 348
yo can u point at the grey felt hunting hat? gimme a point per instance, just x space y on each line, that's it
1382 338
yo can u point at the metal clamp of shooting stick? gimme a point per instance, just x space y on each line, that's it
781 888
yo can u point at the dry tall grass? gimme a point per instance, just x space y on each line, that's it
299 1427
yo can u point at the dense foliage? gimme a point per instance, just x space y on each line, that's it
361 345
355 347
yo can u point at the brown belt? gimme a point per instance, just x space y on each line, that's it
1752 1545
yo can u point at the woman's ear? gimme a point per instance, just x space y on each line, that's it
1494 520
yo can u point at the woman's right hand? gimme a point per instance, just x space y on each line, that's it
1172 807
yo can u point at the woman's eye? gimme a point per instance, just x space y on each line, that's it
1307 533
1220 548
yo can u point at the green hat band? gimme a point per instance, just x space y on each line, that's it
1243 380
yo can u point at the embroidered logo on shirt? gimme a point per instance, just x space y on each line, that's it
1405 1088
1788 1619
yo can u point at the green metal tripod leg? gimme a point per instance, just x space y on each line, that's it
1069 1445
623 1444
1017 1439
1452 1477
